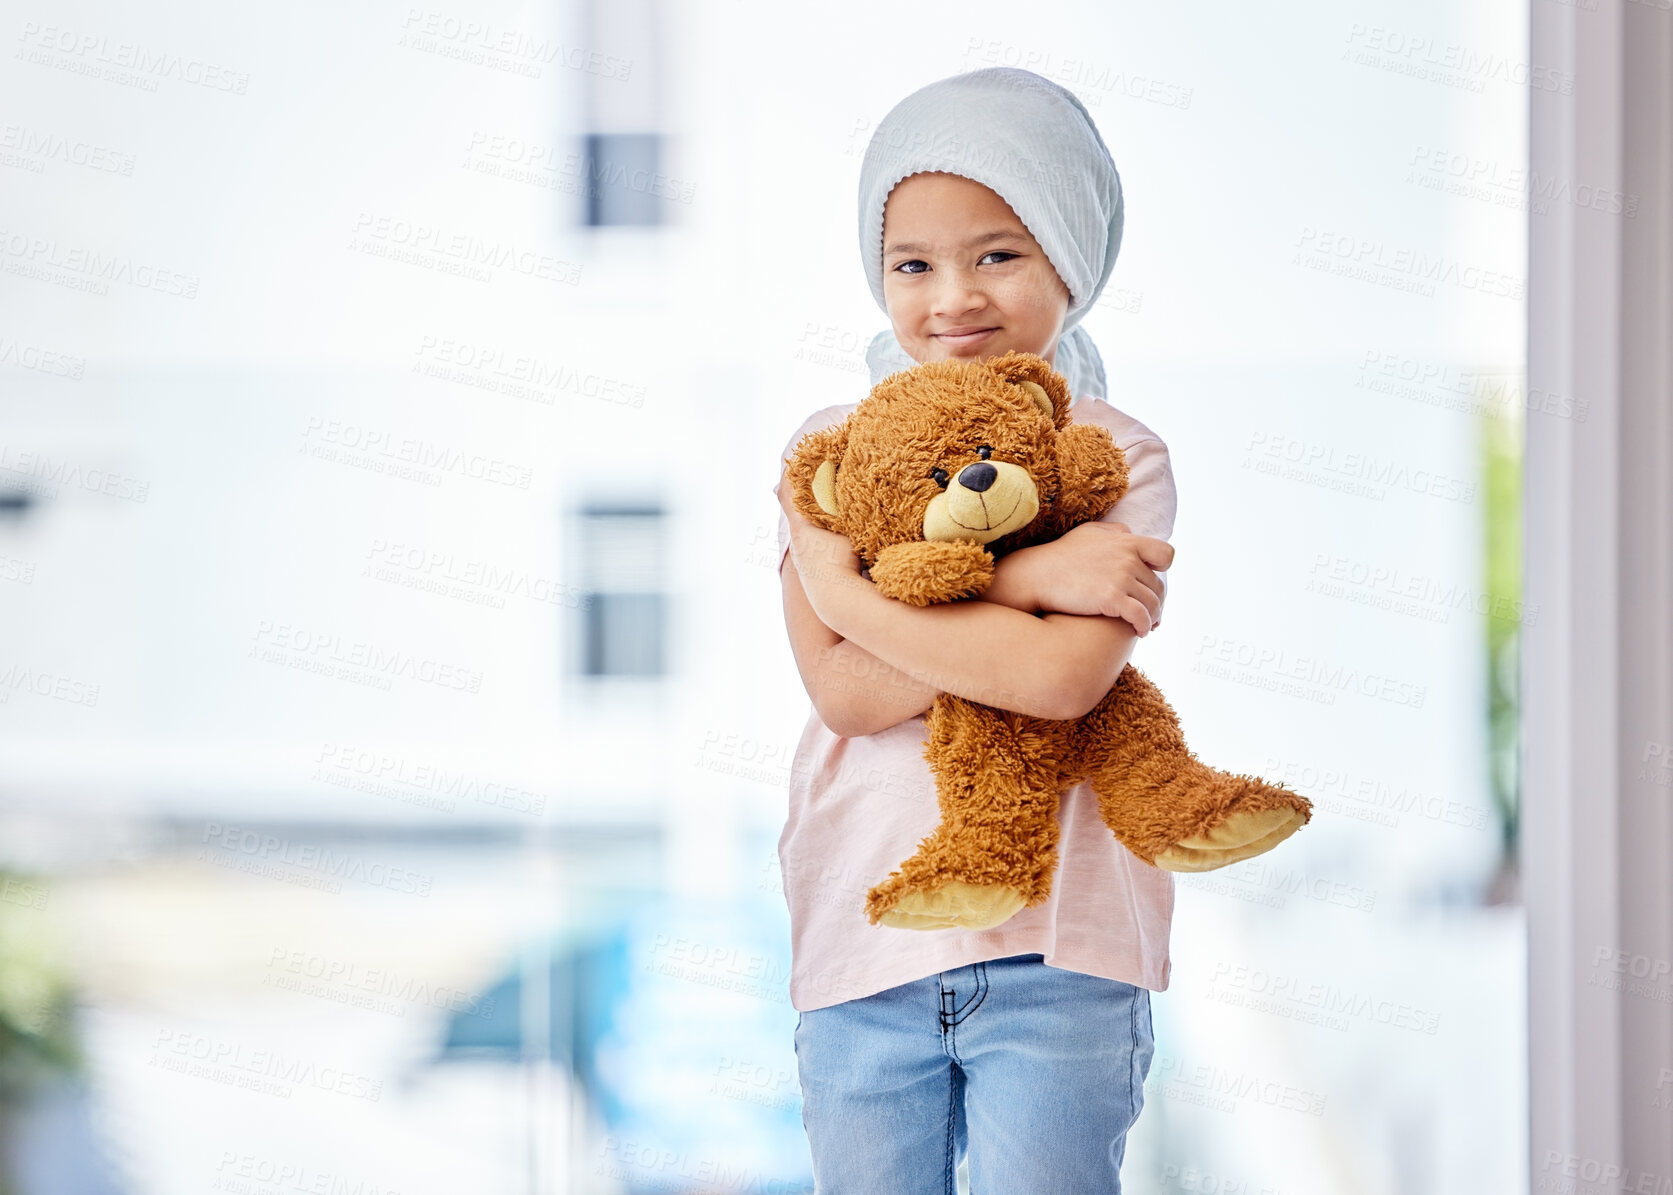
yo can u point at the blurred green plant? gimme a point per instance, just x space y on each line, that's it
38 1040
1501 445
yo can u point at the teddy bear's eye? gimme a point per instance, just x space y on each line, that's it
940 476
984 452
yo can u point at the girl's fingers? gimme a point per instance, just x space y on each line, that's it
1152 603
1157 553
1138 616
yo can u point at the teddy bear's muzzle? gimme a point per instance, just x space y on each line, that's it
984 501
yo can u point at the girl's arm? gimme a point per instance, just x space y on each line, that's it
855 692
1055 666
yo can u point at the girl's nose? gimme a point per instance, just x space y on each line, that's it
958 293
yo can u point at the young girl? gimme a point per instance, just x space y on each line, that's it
990 218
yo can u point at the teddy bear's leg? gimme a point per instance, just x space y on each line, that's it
998 778
1165 805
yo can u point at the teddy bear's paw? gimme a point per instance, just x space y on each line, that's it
925 572
1242 835
956 904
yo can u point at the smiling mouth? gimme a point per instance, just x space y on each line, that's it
995 522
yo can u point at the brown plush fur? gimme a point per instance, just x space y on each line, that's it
928 539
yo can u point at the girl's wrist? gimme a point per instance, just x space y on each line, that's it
1015 581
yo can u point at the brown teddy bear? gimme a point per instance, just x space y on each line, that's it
913 477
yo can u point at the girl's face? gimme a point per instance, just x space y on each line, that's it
962 277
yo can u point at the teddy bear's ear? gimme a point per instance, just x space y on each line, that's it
1043 383
813 474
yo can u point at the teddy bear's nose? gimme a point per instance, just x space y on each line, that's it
978 476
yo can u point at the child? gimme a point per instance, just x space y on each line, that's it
990 218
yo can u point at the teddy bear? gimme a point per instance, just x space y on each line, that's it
939 472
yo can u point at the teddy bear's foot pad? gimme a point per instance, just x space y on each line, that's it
955 905
1241 836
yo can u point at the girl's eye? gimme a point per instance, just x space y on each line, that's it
1004 254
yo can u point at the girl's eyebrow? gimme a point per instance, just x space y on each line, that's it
983 239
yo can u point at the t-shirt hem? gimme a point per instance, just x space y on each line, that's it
1155 976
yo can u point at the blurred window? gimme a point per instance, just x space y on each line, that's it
623 608
623 149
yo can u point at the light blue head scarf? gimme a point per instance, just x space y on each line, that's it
1034 144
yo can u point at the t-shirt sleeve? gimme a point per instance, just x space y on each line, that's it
1150 503
814 422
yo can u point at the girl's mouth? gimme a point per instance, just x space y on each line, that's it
964 339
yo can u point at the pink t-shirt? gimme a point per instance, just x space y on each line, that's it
860 806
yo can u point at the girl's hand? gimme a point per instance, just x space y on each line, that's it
1102 569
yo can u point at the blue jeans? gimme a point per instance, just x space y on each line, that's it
1045 1066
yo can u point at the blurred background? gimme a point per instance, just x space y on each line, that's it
395 707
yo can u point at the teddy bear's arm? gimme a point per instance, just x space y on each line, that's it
927 572
1092 474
